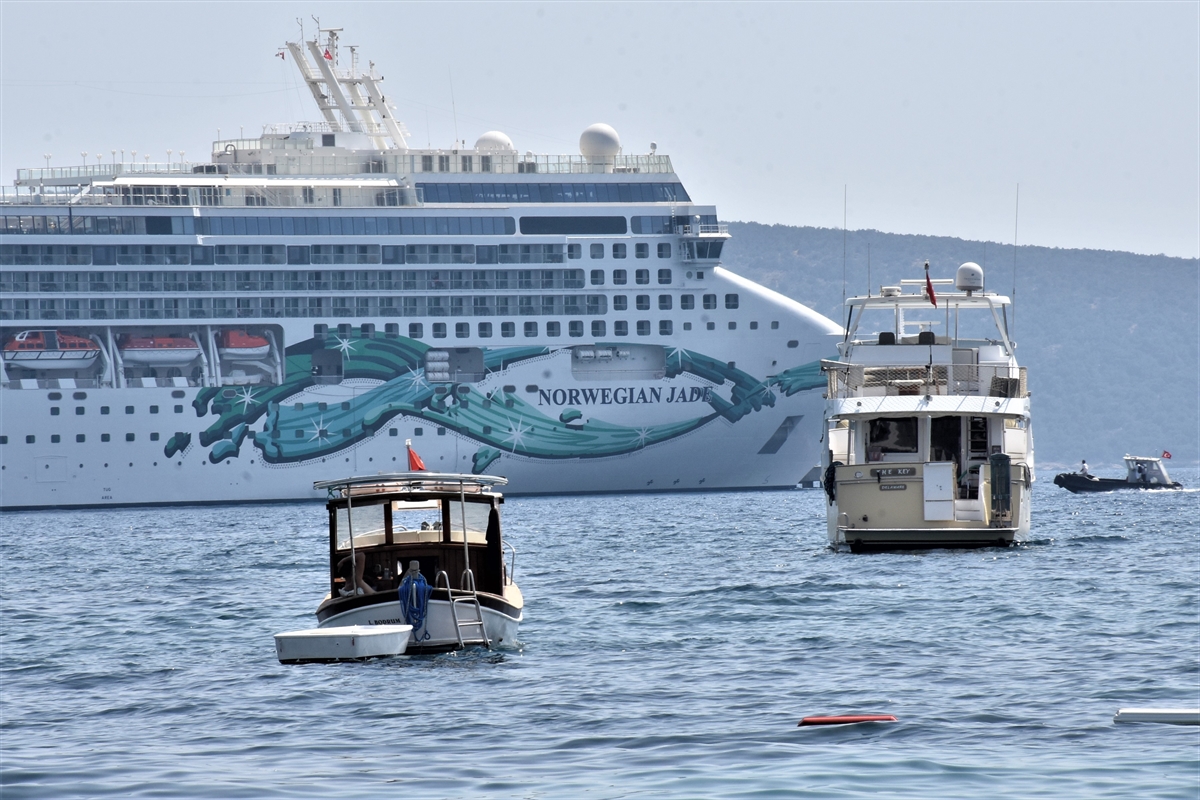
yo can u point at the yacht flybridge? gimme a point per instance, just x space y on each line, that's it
927 439
324 291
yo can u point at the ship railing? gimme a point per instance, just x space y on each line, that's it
980 380
720 229
209 196
94 383
92 172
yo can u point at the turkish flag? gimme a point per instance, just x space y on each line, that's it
1166 453
929 287
328 57
415 464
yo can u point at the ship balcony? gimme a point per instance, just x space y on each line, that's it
846 380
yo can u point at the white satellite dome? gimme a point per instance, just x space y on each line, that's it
599 141
494 140
969 278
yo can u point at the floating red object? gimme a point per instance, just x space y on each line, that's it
846 719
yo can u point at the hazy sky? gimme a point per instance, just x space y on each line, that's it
931 113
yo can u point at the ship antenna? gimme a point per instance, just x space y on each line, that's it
844 196
453 109
868 269
1016 219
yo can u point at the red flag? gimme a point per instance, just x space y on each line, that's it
415 464
1166 453
929 286
280 54
328 57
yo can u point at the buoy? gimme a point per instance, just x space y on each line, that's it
846 719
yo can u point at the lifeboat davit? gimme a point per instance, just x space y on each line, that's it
158 351
50 349
237 345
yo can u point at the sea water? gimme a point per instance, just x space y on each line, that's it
670 645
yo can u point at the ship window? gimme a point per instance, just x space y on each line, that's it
642 276
710 301
643 302
485 330
467 164
415 330
553 329
3 439
597 277
711 326
30 439
531 329
439 330
664 327
443 163
598 327
620 277
328 139
300 434
297 254
485 163
664 250
129 437
418 431
154 437
620 328
793 343
462 330
731 301
55 438
620 302
79 411
687 302
753 326
643 327
664 302
642 250
700 275
596 251
618 250
664 277
393 432
575 328
508 329
54 411
153 409
104 437
687 326
733 326
441 431
574 251
427 163
893 435
393 254
775 325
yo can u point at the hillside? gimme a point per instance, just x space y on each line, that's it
1111 339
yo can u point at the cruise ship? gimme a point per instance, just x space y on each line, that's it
304 302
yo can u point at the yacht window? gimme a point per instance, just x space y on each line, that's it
508 329
620 328
897 435
664 250
620 277
598 327
596 251
687 302
664 302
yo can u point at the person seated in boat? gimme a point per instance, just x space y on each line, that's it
1083 470
1141 472
360 565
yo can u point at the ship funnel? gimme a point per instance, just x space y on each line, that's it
969 278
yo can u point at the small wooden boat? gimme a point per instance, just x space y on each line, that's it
1167 716
237 345
351 643
1141 472
387 532
158 351
50 350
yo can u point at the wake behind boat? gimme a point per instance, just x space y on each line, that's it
422 549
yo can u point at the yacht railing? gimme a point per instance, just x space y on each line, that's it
846 380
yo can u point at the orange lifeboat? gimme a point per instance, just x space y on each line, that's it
50 349
237 345
158 351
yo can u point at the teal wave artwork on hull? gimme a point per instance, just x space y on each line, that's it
501 422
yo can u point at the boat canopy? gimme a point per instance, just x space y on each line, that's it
412 481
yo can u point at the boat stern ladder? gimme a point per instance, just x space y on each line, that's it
467 596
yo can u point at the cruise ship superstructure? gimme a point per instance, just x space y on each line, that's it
305 301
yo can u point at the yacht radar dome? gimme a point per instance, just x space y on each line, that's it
969 278
495 140
599 141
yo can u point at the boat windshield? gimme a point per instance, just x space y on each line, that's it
368 526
